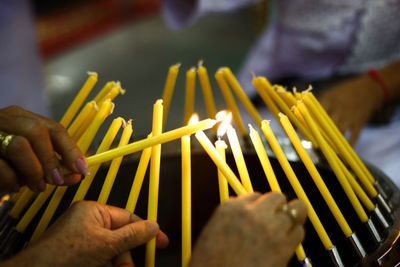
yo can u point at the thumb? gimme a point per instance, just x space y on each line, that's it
135 234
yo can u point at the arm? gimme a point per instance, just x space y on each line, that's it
352 103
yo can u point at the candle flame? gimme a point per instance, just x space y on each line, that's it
225 117
193 119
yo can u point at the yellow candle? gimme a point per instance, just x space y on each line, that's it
221 146
86 115
154 180
280 155
319 182
264 160
330 157
23 201
115 164
207 90
220 163
113 93
83 144
239 159
138 180
186 201
104 146
237 88
104 91
190 93
79 99
342 145
150 141
285 109
230 101
289 99
169 89
265 97
269 173
362 196
105 110
34 208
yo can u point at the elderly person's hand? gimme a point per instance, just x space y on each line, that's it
352 103
35 150
90 234
251 231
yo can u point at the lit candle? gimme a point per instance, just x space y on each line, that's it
239 159
79 99
84 118
186 197
341 144
138 180
285 109
150 141
230 101
280 155
207 90
319 182
237 88
115 164
269 173
333 163
221 146
155 161
104 146
190 89
220 163
83 144
104 91
169 89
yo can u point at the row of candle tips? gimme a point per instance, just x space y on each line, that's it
301 109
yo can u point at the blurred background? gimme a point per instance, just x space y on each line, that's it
129 41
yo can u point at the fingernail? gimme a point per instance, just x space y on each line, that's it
82 167
57 178
152 227
41 186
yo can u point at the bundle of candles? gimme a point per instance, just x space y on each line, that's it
364 200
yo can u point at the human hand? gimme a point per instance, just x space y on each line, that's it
40 151
250 230
351 104
90 234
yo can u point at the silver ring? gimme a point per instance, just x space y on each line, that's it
292 213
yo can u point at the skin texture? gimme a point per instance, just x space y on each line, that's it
352 103
90 234
250 231
40 152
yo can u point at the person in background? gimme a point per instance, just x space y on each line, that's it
264 228
348 50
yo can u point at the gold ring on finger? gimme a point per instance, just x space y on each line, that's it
292 213
5 140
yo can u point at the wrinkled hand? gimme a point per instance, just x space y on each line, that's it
352 103
90 234
250 231
40 151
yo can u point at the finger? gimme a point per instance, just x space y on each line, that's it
123 260
355 133
8 178
162 240
71 155
134 234
270 201
245 199
296 236
301 210
27 165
